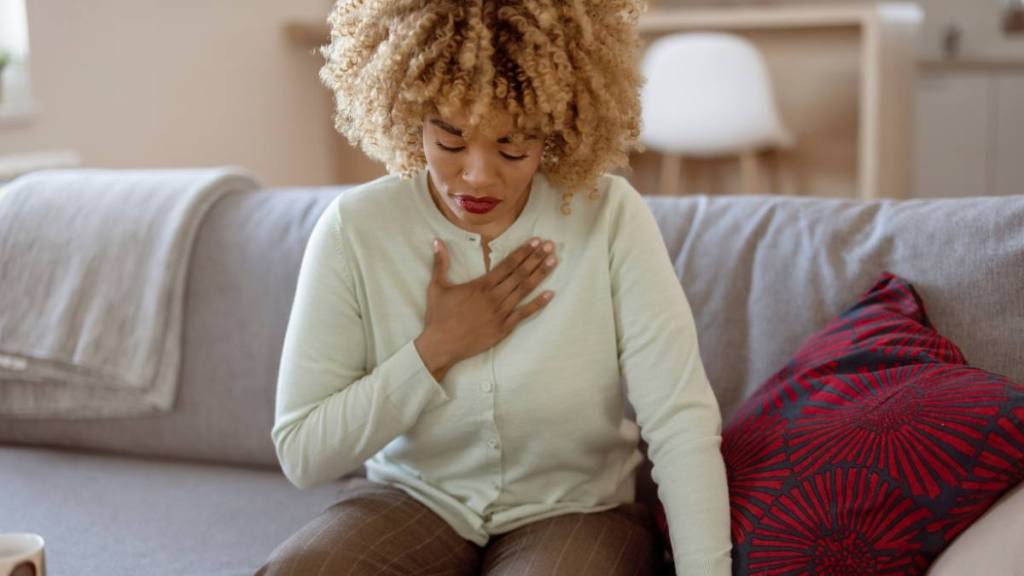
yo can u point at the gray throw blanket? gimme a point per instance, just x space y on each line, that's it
93 266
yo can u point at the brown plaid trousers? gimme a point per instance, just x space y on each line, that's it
377 529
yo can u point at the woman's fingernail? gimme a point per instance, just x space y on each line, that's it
534 243
550 261
437 245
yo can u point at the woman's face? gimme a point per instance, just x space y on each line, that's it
479 181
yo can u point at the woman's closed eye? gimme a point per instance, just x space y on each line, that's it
450 148
454 149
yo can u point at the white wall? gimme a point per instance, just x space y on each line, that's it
153 83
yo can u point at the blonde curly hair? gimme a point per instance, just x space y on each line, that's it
563 69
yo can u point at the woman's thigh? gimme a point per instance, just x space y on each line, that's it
609 543
374 529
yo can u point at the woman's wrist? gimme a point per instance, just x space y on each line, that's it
433 355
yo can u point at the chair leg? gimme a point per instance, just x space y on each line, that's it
787 174
749 173
692 169
774 162
670 175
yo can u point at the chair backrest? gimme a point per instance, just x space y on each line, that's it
708 94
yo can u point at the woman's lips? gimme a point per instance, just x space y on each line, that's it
481 205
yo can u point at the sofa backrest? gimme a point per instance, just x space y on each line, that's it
761 274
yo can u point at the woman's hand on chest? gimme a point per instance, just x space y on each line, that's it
463 320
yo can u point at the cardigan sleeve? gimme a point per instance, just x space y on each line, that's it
676 408
332 412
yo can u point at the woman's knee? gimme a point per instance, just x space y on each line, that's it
373 528
617 541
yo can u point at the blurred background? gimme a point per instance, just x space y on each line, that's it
898 99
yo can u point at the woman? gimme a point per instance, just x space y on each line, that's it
461 326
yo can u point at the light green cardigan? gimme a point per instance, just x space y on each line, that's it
533 427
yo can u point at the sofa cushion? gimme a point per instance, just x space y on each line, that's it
126 516
872 449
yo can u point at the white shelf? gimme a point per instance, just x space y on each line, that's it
780 16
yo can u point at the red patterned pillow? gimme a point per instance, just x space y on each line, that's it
871 449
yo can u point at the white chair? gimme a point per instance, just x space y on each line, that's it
708 95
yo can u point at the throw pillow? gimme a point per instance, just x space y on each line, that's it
871 450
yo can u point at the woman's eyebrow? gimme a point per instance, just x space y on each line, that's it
446 127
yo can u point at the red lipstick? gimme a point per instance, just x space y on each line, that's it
481 205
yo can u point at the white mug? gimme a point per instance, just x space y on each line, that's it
21 554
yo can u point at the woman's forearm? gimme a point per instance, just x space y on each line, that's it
323 431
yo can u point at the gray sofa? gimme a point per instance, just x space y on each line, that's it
197 491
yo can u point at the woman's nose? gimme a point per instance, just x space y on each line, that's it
479 171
